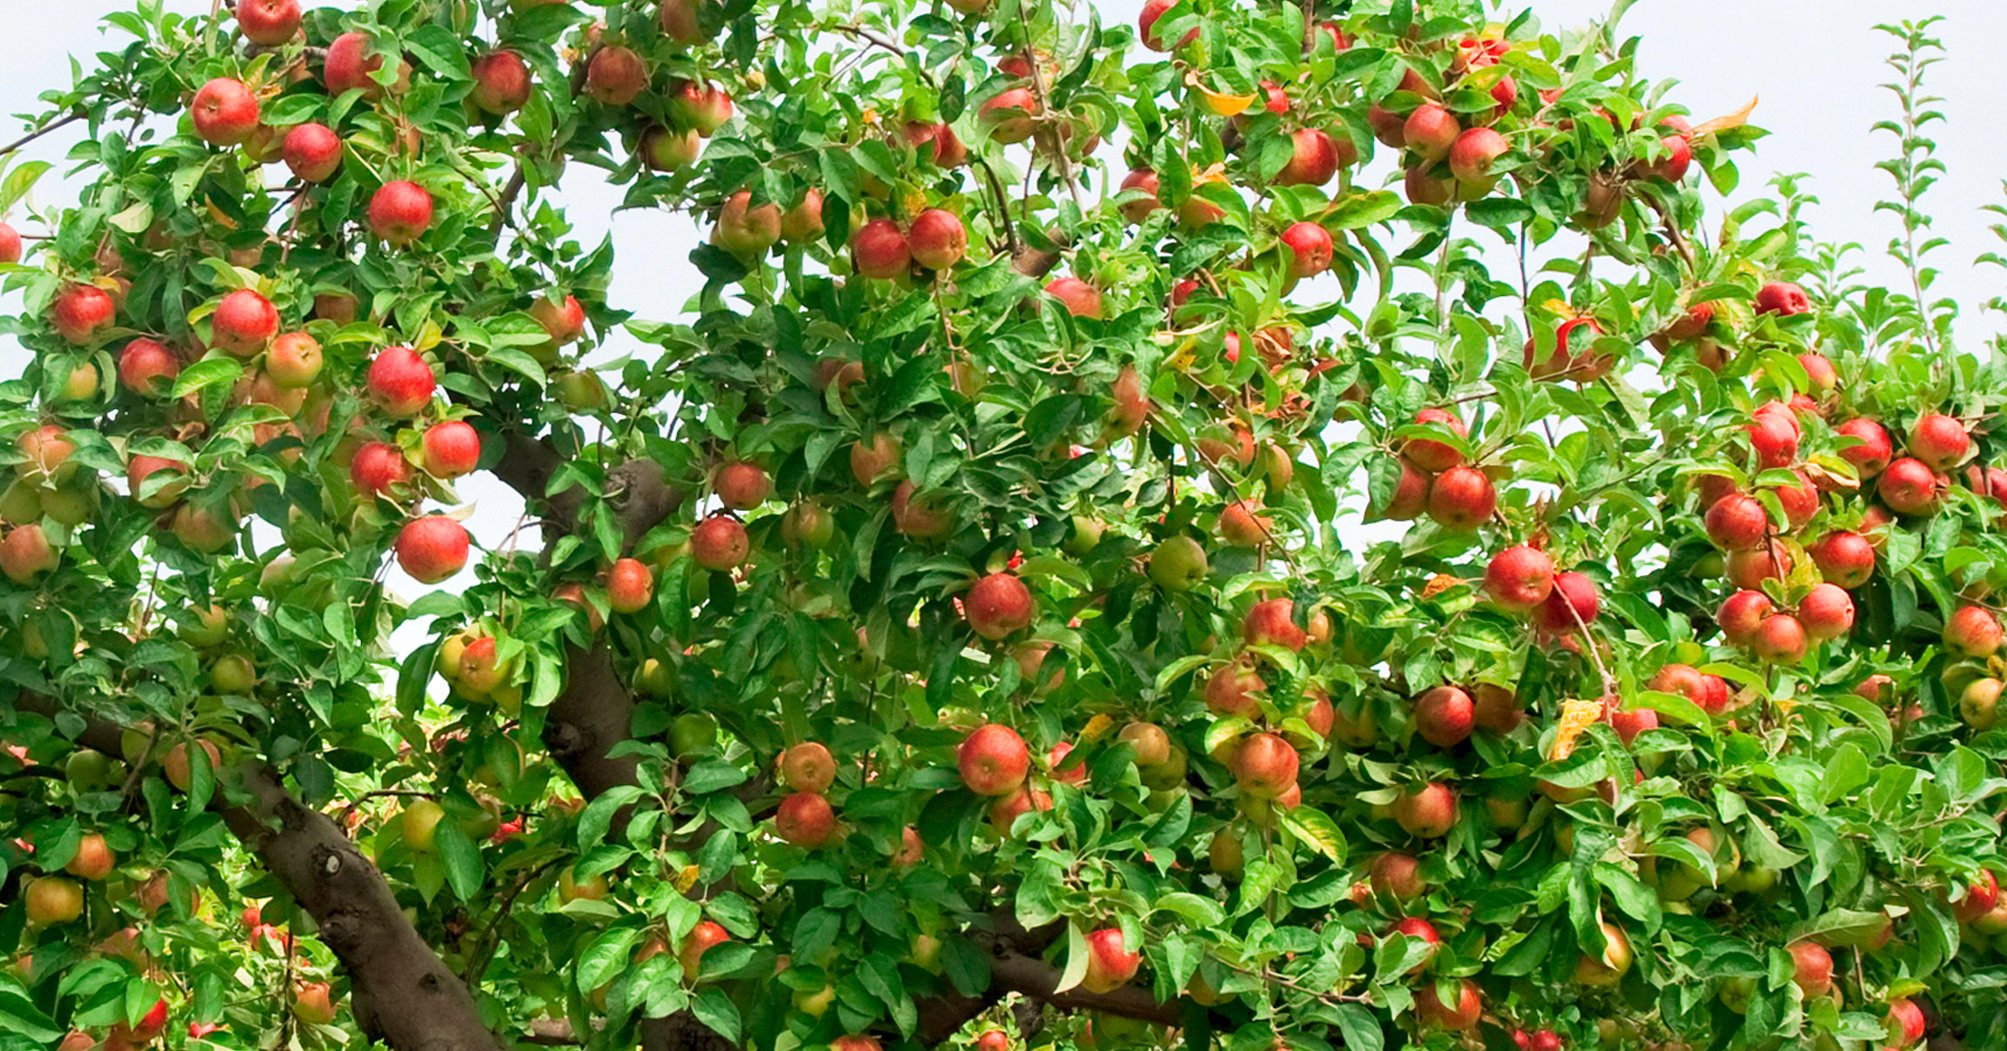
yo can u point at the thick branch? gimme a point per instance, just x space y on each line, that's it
403 995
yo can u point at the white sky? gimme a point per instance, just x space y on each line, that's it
1816 64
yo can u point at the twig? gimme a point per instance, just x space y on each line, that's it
33 135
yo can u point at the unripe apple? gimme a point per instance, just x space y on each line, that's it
1178 564
80 312
746 230
807 524
1979 704
225 112
993 760
312 1005
52 899
1605 965
938 239
432 548
668 149
922 516
93 860
400 381
615 75
400 212
294 360
808 767
26 554
802 223
452 448
880 250
501 82
998 605
178 765
875 457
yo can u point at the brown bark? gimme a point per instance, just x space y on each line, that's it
402 993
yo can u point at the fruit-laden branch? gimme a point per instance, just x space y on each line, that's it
594 713
403 994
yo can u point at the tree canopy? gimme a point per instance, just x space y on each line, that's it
1323 524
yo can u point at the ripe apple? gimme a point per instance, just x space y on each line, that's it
1519 578
501 82
719 543
615 75
1462 498
47 450
180 769
400 381
1309 247
1472 156
1004 812
11 246
1078 297
1709 692
1010 115
400 212
1430 131
1272 622
741 485
1780 639
1909 487
1742 614
993 760
1827 612
1445 716
225 112
1110 964
1873 451
803 223
1149 741
1783 299
1143 183
1429 454
294 360
1737 522
805 819
630 585
1573 603
702 107
1607 964
938 239
93 860
1315 158
1906 1023
1427 811
80 312
432 548
1460 1016
746 230
1812 968
1939 441
937 142
875 457
808 767
998 605
351 67
268 23
881 250
1970 631
1146 24
25 554
378 467
922 516
695 944
452 448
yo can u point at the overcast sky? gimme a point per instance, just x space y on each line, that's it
1815 64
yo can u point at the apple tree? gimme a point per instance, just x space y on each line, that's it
1323 524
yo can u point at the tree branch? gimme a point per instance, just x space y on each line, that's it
403 994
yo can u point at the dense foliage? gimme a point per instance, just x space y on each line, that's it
1092 566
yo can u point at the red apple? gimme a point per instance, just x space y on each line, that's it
1144 183
881 250
998 605
80 312
1078 297
1445 716
400 381
25 554
351 67
1430 131
432 548
805 819
938 239
1812 968
808 767
1874 450
1146 24
1460 1016
377 468
669 149
1010 115
1315 158
1910 487
1428 811
244 322
1939 441
744 229
225 112
1782 298
268 23
400 212
993 760
719 543
1972 631
1780 639
1574 602
501 82
452 448
741 485
615 75
1309 249
1472 155
1110 964
1462 499
700 106
294 360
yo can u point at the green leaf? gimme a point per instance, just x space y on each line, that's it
462 860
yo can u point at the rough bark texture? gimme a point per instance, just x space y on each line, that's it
401 993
